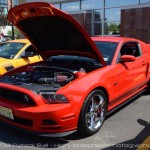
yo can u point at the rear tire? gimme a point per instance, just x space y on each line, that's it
92 113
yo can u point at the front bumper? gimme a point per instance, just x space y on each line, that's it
61 134
46 120
40 118
51 120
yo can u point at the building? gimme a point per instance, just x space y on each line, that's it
98 17
109 13
5 26
135 22
4 5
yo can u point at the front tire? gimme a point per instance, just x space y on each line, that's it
92 113
148 88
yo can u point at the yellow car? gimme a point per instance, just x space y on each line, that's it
17 53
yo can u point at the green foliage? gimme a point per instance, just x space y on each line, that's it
9 33
113 28
17 33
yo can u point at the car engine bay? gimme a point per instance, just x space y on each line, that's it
52 74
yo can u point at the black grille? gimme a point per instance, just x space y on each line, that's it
17 120
16 96
22 121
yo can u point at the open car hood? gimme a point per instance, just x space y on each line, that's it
52 31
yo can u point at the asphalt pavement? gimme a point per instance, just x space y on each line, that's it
127 128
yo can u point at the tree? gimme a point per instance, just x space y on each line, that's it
113 28
17 33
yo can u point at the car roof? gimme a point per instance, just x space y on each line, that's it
20 41
110 38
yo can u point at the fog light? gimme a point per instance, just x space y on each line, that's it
49 122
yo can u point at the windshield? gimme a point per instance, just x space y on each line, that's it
107 50
10 49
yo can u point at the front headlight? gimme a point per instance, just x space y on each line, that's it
53 98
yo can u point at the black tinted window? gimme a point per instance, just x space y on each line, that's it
130 48
30 49
107 50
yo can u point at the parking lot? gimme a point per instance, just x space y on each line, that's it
125 129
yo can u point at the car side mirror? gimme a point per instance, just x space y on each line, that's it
127 58
27 54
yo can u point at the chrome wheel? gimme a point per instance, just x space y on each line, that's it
95 112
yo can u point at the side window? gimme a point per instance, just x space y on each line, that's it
130 48
31 49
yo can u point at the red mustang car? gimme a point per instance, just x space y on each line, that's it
79 82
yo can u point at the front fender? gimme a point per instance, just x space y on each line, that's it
77 91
